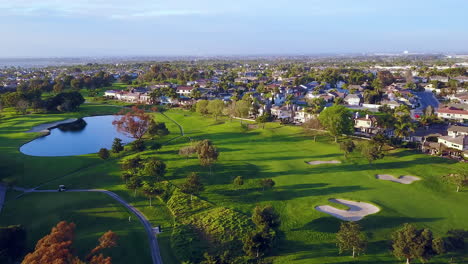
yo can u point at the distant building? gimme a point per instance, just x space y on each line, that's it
184 90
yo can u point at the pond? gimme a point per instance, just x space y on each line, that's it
84 136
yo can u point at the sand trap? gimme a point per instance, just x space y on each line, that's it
318 162
45 127
356 211
401 179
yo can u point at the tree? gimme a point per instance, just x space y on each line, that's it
134 183
132 164
12 243
151 190
195 93
411 243
154 169
215 108
22 106
192 185
64 102
263 119
107 240
347 146
350 238
76 84
459 178
386 77
238 181
201 107
242 109
117 145
371 151
337 119
59 87
265 217
134 123
403 126
258 243
54 247
267 183
188 151
157 129
137 145
207 153
126 79
103 153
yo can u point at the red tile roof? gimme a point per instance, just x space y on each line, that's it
452 110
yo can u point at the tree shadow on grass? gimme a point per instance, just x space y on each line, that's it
376 166
288 193
374 222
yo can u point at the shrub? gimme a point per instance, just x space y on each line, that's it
155 146
104 153
137 145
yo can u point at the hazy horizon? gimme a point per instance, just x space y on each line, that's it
105 28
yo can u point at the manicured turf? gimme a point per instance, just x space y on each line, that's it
93 214
281 153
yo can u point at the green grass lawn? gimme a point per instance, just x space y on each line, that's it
277 152
93 214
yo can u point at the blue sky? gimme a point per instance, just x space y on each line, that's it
43 28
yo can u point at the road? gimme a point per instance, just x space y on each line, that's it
154 246
426 99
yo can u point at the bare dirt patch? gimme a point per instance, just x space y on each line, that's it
318 162
356 211
402 179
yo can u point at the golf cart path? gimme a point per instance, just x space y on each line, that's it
154 246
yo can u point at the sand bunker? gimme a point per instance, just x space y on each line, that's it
401 179
318 162
45 127
356 211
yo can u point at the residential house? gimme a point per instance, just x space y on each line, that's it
367 125
455 142
439 78
301 116
461 79
353 99
454 131
184 90
281 112
462 97
452 113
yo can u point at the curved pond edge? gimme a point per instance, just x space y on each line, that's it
46 127
52 125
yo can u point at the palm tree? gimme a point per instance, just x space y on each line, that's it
403 129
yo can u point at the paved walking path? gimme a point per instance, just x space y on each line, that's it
154 246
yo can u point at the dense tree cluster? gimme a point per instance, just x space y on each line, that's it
57 247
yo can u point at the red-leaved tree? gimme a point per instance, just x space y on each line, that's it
134 123
54 247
